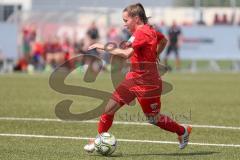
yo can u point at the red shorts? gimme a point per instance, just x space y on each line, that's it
146 87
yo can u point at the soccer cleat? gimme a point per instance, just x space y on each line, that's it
90 147
183 139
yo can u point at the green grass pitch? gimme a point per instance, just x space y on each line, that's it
211 99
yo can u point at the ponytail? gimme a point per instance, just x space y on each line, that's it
137 10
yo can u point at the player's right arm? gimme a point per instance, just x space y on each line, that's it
125 53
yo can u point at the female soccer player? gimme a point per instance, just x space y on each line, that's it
143 81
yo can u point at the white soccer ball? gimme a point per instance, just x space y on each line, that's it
105 144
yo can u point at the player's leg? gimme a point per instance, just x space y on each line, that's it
106 119
151 108
178 63
105 122
121 96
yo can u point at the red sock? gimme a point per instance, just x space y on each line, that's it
168 124
105 123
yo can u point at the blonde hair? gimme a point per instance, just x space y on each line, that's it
137 10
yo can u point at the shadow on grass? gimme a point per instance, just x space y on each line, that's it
200 153
173 154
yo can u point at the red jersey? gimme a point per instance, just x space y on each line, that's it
143 80
144 41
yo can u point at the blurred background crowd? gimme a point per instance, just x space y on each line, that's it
49 33
46 53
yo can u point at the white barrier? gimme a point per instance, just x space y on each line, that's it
8 40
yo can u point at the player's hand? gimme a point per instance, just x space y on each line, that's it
96 46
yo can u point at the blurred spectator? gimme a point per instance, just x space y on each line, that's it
28 36
174 37
68 51
53 52
21 64
37 55
77 45
92 37
93 33
221 21
225 20
217 20
30 49
201 21
26 41
78 49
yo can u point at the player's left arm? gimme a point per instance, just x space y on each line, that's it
125 53
161 45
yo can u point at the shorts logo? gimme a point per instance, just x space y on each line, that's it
154 106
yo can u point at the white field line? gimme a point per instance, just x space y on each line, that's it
120 140
114 122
